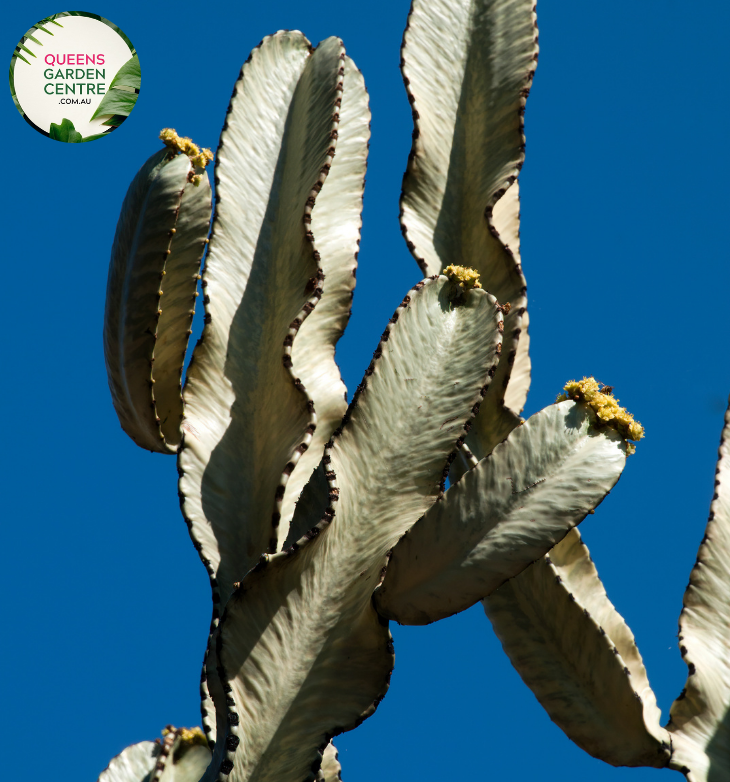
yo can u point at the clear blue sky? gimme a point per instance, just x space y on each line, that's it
105 605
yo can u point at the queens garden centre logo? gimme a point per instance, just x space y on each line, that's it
75 76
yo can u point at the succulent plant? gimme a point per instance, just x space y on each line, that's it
319 522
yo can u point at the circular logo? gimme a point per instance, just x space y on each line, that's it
75 76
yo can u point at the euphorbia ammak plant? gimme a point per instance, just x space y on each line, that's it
319 522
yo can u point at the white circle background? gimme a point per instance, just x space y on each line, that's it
80 35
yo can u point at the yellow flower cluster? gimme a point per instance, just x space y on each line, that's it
189 737
605 405
198 157
466 277
202 159
192 737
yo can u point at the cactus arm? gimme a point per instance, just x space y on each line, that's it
180 757
336 226
247 418
399 450
576 653
467 67
331 769
325 676
254 151
304 653
464 64
136 763
700 716
179 295
504 514
135 302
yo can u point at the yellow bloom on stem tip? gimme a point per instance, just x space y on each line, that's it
192 737
199 158
189 737
466 278
202 159
606 407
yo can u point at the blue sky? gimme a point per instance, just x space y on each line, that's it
105 605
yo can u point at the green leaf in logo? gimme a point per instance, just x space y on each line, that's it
129 75
65 132
116 120
95 136
122 94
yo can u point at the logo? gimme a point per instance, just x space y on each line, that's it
75 77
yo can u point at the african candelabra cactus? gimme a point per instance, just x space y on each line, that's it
319 522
